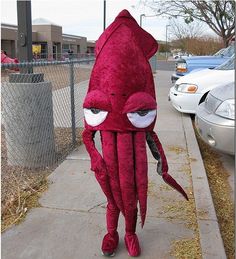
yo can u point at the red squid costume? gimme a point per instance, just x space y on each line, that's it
121 105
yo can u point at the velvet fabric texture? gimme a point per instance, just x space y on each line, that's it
121 104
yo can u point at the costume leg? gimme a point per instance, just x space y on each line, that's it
111 239
112 217
131 239
125 148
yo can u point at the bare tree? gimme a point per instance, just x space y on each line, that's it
204 45
219 15
181 30
182 33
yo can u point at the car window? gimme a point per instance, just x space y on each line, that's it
228 52
219 52
228 65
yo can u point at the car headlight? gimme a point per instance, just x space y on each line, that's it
226 109
181 67
186 88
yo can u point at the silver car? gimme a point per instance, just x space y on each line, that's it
215 118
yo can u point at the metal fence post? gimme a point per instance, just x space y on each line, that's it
72 98
153 63
24 34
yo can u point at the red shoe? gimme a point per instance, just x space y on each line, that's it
132 245
110 244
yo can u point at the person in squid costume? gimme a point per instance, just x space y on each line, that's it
121 105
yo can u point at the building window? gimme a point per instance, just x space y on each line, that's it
65 48
43 50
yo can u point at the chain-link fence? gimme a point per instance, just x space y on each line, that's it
42 115
65 56
42 121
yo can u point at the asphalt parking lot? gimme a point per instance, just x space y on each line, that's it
166 66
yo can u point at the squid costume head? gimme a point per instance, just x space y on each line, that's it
121 104
121 90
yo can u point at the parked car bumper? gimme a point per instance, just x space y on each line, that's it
216 131
184 102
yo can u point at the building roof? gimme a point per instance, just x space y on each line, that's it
9 26
65 35
43 21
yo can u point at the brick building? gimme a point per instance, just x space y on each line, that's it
48 41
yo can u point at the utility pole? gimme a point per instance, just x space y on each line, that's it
104 15
33 104
140 22
24 31
166 40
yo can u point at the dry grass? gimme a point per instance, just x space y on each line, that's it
178 150
58 75
21 187
21 199
220 190
151 189
187 249
185 211
181 210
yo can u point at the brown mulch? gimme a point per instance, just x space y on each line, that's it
221 195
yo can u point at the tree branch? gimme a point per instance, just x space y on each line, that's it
219 15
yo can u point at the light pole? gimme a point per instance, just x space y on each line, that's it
166 40
141 17
104 15
24 35
144 15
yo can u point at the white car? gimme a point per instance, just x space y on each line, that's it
191 90
215 119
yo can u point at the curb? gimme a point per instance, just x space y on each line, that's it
209 232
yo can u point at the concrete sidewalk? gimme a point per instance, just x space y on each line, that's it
70 223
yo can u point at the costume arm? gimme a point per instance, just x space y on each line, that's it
162 166
97 162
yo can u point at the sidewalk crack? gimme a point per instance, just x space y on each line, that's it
95 206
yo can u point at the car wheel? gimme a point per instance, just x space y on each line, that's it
192 116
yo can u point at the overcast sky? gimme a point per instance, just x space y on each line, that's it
85 17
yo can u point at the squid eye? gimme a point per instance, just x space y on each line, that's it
94 116
142 119
95 111
142 113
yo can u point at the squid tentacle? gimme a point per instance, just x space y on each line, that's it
153 147
125 157
141 176
156 147
110 157
97 164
